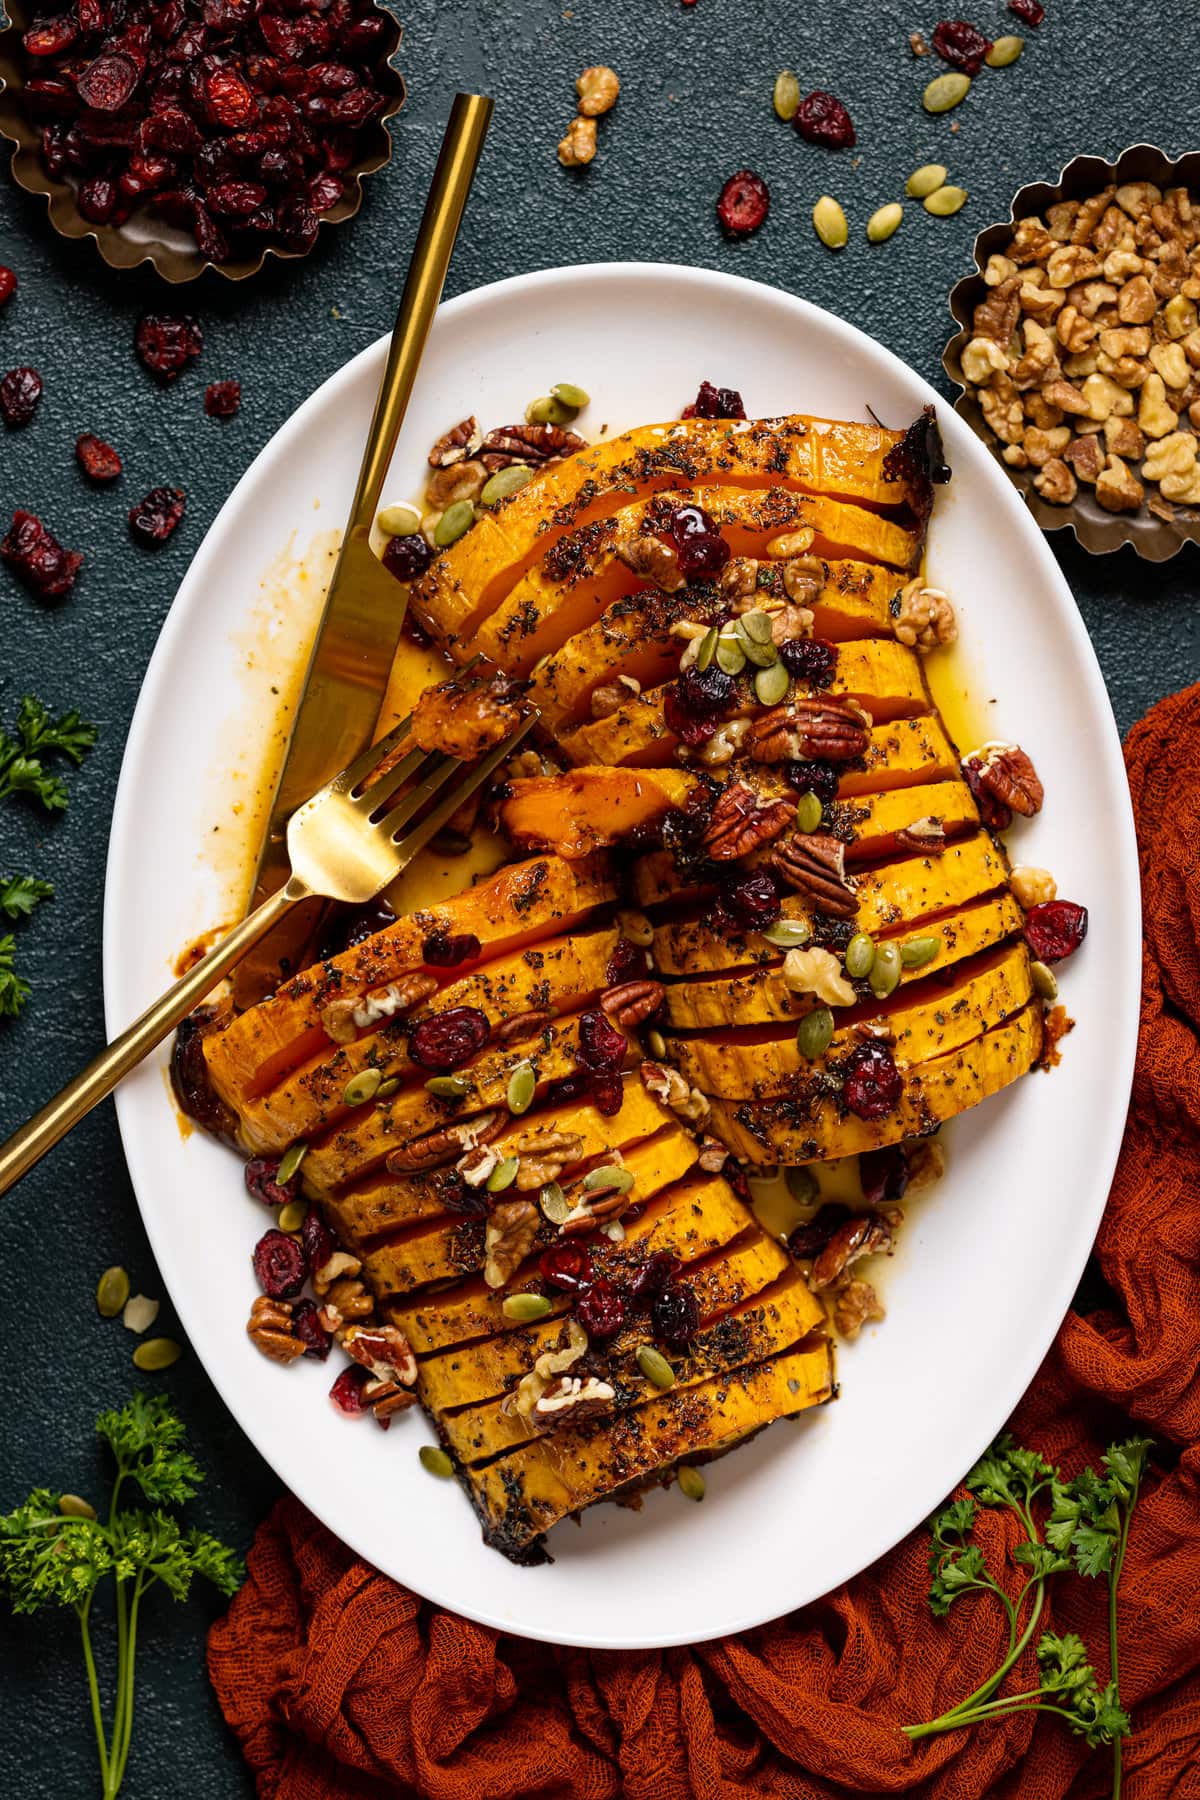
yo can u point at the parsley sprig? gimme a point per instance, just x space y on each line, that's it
37 737
1086 1527
19 894
48 1557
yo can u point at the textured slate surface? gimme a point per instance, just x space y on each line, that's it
695 106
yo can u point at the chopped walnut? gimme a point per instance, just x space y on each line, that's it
668 1086
999 269
650 559
1032 886
1031 242
1174 454
1154 415
926 1165
1060 218
346 1301
789 622
1055 482
996 317
1117 488
1137 197
269 1328
458 481
1085 457
543 1155
981 359
1124 437
1075 332
738 579
1040 303
1003 414
550 1363
790 544
1039 361
598 88
804 579
578 147
340 1264
1040 446
725 743
1170 362
509 1237
856 1305
713 1155
1136 302
818 972
926 619
611 696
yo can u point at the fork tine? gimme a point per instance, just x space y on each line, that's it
436 771
371 758
416 839
373 797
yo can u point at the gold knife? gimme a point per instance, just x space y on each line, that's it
356 639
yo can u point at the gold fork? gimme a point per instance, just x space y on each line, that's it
347 843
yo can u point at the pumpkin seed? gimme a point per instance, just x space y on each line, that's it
946 201
918 951
156 1354
505 482
884 221
761 655
139 1314
289 1163
72 1507
786 96
945 91
522 1085
808 812
401 520
691 1482
1004 51
860 954
708 649
924 180
610 1178
1045 982
801 1185
548 410
756 625
814 1034
554 1203
112 1291
829 223
522 1308
362 1087
570 395
655 1367
387 1088
291 1216
771 684
730 655
454 523
787 934
884 977
446 1087
656 1043
503 1175
435 1461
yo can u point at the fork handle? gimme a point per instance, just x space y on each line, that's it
28 1145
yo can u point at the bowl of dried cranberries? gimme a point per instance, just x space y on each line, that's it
198 134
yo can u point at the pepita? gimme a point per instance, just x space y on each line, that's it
435 1461
808 812
730 655
454 523
554 1203
503 1175
884 977
71 1506
289 1163
771 684
610 1180
291 1216
548 409
656 1043
946 201
786 96
1045 982
400 520
918 951
523 1308
814 1034
157 1354
387 1088
691 1482
924 180
756 625
860 954
446 1087
884 221
761 655
570 395
1004 51
707 650
829 223
945 92
112 1291
801 1185
362 1087
522 1085
504 482
655 1367
787 934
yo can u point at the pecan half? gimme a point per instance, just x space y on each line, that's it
343 1019
922 834
863 1234
384 1350
592 1207
385 1398
511 1230
269 1329
713 1155
444 1145
740 821
346 1302
810 730
1003 781
571 1398
814 864
522 1025
632 1002
529 444
462 440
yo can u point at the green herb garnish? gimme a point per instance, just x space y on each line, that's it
18 897
38 736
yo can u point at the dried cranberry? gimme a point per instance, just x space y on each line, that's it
210 239
567 1265
601 1046
872 1084
819 778
407 558
698 544
607 1094
715 403
319 1242
821 118
883 1174
1031 11
280 1265
447 1040
994 812
809 659
1055 929
627 963
566 1088
743 203
651 1274
229 101
170 128
325 191
738 1180
222 399
8 285
688 727
236 199
457 1196
261 1177
961 45
601 1309
297 224
166 343
353 925
707 692
153 519
750 899
38 558
47 37
810 1239
307 1326
347 1391
192 1083
675 1314
107 83
444 950
20 391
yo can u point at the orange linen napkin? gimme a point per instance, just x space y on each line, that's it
340 1684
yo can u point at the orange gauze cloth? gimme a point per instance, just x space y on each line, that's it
342 1685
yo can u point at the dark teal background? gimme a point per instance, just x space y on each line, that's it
695 105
